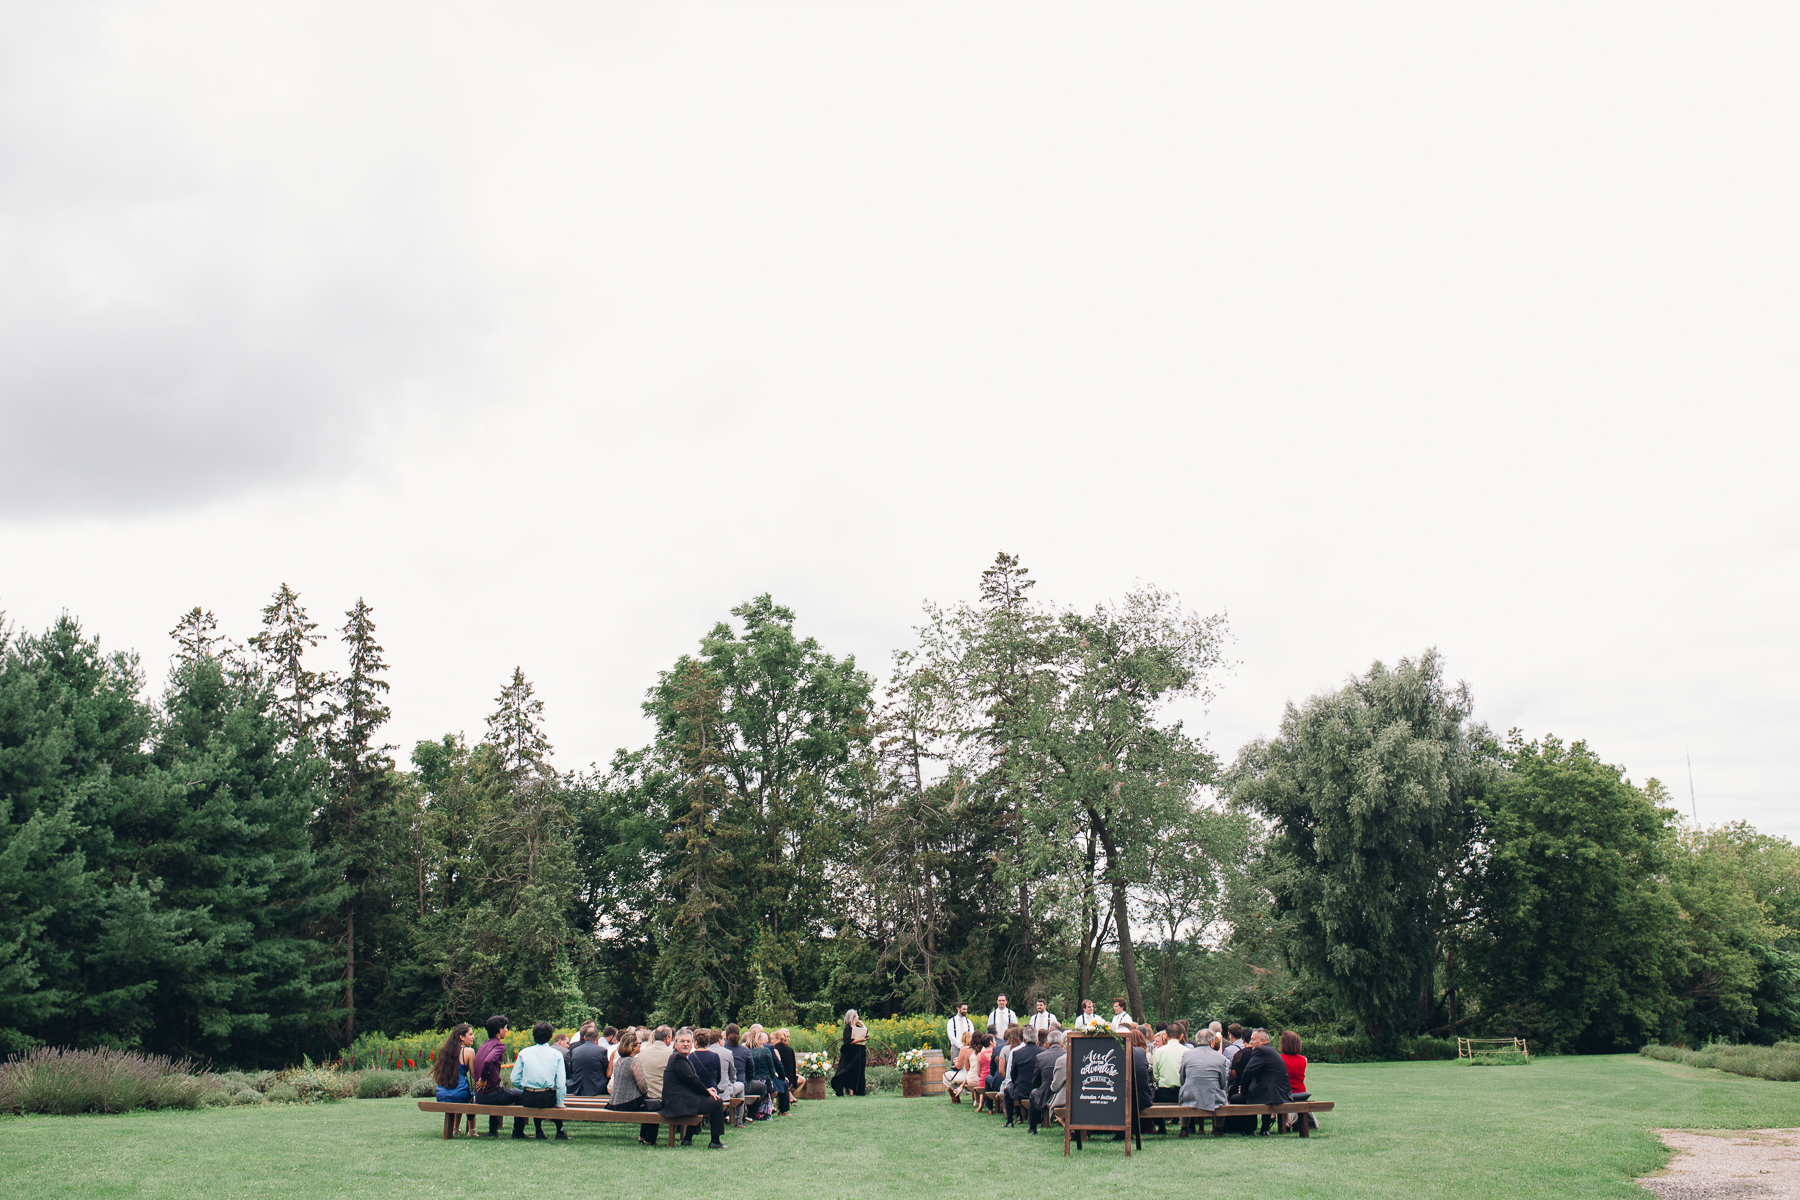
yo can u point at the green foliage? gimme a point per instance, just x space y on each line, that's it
382 1085
1779 1062
1372 792
66 1082
1578 934
317 1084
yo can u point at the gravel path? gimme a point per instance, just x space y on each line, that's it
1751 1164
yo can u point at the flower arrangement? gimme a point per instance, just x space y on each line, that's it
812 1066
911 1061
1100 1026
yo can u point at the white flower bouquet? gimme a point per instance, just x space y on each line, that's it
910 1061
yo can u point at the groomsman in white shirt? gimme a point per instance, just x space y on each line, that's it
1087 1017
1002 1018
1043 1018
955 1027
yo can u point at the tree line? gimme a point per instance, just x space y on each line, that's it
241 870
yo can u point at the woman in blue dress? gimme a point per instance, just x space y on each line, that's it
451 1070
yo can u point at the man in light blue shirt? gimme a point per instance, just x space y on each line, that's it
539 1074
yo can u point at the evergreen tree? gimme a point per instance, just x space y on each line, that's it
196 637
515 728
287 634
350 827
701 867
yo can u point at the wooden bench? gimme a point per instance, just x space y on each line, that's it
1172 1112
576 1108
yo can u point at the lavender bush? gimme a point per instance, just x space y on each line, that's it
50 1079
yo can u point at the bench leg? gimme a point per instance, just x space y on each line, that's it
450 1121
1305 1120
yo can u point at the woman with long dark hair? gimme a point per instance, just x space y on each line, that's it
853 1058
450 1071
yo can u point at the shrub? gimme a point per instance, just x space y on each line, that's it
319 1083
382 1085
1498 1058
1780 1062
247 1095
424 1087
54 1080
281 1093
883 1079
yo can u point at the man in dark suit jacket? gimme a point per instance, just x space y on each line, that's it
1262 1077
1024 1079
1048 1056
587 1064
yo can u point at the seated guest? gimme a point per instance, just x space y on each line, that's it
1204 1076
684 1095
486 1072
1052 1065
1296 1068
561 1042
706 1064
1143 1083
962 1072
983 1045
790 1067
538 1073
1165 1067
629 1085
1234 1040
587 1064
741 1065
765 1068
1043 1066
1021 1076
998 1066
730 1085
451 1070
654 1057
1262 1077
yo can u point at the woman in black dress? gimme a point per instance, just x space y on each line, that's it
853 1059
784 1050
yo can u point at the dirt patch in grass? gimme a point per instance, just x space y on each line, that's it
1751 1164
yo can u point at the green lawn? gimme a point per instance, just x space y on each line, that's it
1561 1127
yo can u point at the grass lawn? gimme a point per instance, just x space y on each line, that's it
1560 1127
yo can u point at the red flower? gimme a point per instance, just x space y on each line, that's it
412 1064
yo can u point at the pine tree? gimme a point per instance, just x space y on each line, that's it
286 636
195 636
350 825
516 729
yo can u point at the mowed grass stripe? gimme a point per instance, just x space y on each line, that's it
1561 1127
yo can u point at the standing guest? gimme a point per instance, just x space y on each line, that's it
653 1058
486 1071
1021 1077
587 1064
1002 1017
956 1027
451 1069
1042 1018
1087 1019
629 1085
686 1095
1204 1077
1120 1016
790 1067
539 1073
853 1058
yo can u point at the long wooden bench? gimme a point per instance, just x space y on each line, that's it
1172 1112
576 1108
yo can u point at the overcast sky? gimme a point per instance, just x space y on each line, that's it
555 331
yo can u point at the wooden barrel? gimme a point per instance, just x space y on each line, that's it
934 1073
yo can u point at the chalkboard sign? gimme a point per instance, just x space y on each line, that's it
1099 1075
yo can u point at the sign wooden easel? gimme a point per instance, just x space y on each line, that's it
1100 1090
